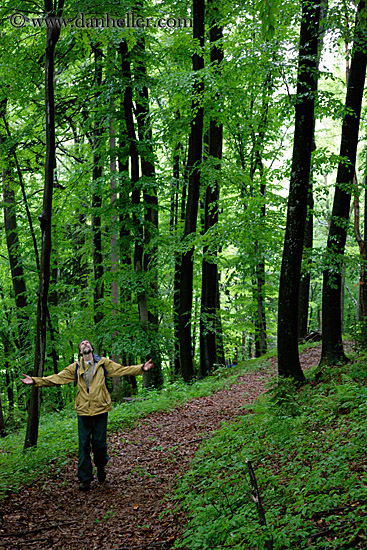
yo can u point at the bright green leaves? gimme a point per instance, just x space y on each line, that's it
269 10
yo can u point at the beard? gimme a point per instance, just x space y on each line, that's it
87 351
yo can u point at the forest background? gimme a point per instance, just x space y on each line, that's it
148 175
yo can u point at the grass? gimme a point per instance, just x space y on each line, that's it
57 440
308 450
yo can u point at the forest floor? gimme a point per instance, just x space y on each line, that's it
131 509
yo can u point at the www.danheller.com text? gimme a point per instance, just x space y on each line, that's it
83 21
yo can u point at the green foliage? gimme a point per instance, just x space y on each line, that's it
307 447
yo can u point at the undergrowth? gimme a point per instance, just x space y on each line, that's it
57 439
308 450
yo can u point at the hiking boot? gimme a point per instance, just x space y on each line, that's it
101 475
84 486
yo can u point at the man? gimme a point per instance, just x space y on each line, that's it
92 404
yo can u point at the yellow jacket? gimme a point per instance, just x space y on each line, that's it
97 400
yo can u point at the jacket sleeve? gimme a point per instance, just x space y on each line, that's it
63 377
114 369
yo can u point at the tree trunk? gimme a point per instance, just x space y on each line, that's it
209 287
136 191
98 270
154 377
52 36
16 264
332 344
176 281
288 357
304 291
194 162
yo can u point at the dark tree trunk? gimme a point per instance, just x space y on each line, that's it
194 162
288 357
52 37
98 270
332 345
176 280
153 378
16 264
138 234
209 287
305 283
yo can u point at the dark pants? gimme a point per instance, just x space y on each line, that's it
92 428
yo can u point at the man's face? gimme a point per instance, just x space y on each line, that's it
85 347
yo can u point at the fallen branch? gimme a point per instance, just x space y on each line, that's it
257 499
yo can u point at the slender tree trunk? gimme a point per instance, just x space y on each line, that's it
16 264
176 281
52 36
194 161
363 249
288 357
98 270
332 344
125 240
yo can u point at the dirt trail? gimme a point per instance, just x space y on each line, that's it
129 510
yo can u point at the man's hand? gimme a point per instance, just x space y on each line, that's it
148 365
27 379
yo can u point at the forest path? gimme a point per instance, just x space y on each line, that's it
129 510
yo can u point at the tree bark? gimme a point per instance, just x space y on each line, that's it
137 226
174 219
16 264
98 270
52 36
304 291
288 357
194 162
154 377
209 286
332 344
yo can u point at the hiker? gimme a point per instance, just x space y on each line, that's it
92 403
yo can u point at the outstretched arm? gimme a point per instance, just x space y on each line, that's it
27 379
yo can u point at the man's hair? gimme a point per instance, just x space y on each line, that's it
84 340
